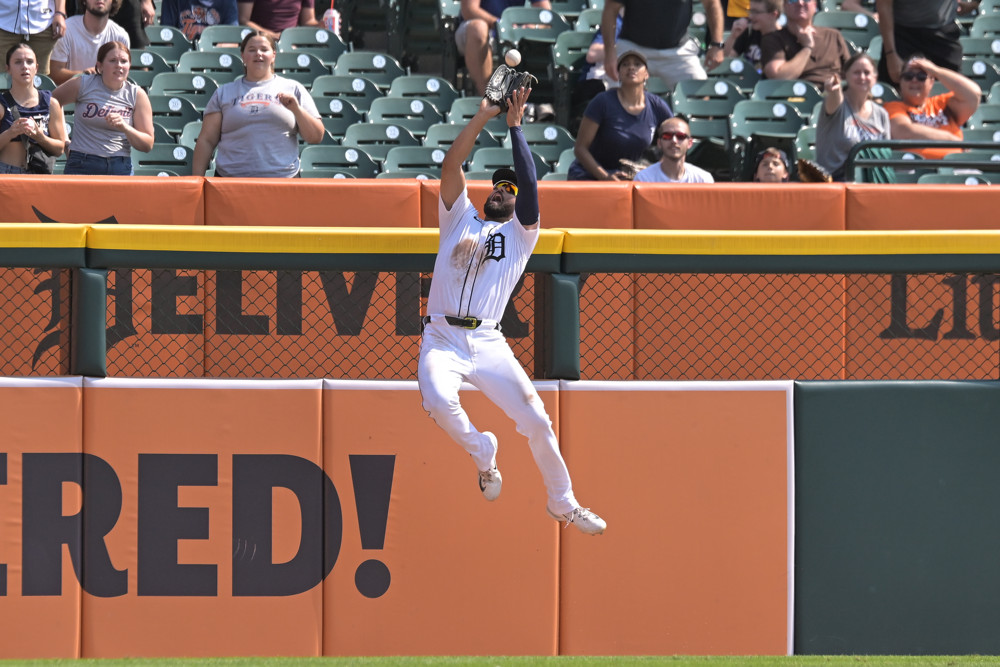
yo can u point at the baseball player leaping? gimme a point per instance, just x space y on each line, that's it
479 262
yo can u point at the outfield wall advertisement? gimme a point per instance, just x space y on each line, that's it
309 517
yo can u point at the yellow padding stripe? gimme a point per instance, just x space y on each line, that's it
346 240
42 235
643 242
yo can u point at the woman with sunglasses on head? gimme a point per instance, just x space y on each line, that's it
113 116
618 124
256 119
922 116
27 115
849 115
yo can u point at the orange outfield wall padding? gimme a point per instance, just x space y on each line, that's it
147 200
871 207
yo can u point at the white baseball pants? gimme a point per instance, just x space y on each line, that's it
450 355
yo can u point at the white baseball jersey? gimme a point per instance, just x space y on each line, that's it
478 263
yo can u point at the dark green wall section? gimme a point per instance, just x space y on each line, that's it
897 518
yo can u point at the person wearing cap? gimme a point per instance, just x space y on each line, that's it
659 31
771 166
674 138
479 262
618 124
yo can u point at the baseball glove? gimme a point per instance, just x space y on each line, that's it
810 172
503 82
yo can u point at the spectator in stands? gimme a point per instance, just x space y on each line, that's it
659 31
39 118
920 115
77 51
193 16
113 116
860 6
132 15
593 78
918 26
801 50
674 138
771 166
618 124
254 120
478 30
745 37
849 115
272 16
40 22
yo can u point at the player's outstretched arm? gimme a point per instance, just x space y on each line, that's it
452 175
526 205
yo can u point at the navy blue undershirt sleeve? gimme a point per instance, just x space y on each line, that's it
526 205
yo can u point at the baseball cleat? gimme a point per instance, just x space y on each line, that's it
490 480
586 521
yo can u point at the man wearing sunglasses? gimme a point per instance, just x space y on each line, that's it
802 50
922 116
674 140
479 262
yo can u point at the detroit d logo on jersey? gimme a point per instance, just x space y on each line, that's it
495 247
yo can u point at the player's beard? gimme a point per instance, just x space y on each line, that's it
498 209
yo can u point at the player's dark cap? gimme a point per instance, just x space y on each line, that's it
504 174
634 54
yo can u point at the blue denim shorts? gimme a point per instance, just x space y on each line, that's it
11 169
78 163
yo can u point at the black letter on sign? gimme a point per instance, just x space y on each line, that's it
162 523
46 529
166 287
229 317
349 308
124 325
253 478
898 325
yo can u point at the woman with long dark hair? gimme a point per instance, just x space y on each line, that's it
29 118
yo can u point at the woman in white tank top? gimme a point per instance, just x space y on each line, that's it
112 116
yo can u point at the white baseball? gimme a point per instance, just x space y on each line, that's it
513 58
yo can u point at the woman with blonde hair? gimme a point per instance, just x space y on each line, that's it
31 121
254 121
113 116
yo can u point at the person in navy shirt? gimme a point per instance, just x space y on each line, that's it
618 124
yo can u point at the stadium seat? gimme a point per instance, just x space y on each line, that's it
986 116
415 114
442 135
377 138
168 42
464 108
380 68
223 67
359 91
532 31
414 159
568 62
337 159
566 158
959 179
302 67
491 159
189 135
337 114
224 38
320 42
739 70
197 88
146 65
983 72
589 21
173 157
856 27
802 95
986 25
758 124
435 89
173 112
547 140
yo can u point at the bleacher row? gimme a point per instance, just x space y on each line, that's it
384 122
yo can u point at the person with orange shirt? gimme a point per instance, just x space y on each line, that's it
922 116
